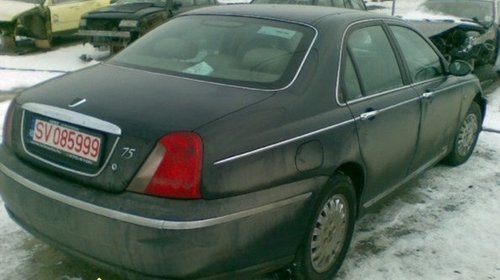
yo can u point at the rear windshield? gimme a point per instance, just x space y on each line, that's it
241 51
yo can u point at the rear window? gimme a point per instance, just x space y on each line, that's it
241 51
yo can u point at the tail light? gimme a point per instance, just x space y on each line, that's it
173 169
7 125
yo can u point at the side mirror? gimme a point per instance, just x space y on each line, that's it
460 68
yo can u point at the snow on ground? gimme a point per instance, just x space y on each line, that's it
17 71
442 225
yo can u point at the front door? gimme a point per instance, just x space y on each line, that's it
441 96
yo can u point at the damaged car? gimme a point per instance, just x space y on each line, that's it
235 140
120 24
462 29
42 20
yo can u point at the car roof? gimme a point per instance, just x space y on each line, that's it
307 14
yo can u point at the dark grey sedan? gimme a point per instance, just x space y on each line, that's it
235 140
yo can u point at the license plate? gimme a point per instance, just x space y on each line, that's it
68 140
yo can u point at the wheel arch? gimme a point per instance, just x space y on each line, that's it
356 173
481 101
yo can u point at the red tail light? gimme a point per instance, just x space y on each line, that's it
7 125
176 162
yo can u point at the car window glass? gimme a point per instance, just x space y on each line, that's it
327 3
347 4
423 62
338 3
375 61
350 83
242 51
357 4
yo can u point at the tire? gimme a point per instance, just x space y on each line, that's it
329 233
466 137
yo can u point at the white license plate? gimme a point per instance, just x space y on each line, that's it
69 140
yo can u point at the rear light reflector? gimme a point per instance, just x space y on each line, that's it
173 169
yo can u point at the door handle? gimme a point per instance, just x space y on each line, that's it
368 115
428 94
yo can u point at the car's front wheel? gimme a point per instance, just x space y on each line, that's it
329 233
466 138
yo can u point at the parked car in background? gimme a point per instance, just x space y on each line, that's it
462 29
42 19
350 4
235 139
123 22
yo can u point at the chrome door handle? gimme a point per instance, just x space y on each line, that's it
368 115
428 94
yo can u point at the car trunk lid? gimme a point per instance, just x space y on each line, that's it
115 125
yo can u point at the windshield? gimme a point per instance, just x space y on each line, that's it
241 51
480 11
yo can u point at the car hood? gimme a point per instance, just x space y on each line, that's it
11 9
125 10
143 104
435 24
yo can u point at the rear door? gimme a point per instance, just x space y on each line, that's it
441 96
387 112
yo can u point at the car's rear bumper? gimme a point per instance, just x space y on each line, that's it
135 233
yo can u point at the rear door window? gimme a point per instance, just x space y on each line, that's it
374 59
357 4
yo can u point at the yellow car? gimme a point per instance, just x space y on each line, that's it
42 19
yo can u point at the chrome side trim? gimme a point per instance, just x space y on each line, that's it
453 86
72 117
341 57
143 221
272 146
85 121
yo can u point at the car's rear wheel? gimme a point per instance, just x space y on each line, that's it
466 138
329 233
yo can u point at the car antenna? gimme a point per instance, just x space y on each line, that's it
393 7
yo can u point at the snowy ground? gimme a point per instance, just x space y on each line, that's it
442 225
